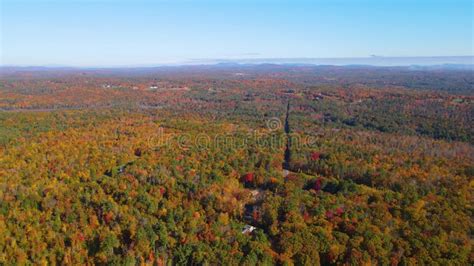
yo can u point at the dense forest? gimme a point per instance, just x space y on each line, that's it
237 165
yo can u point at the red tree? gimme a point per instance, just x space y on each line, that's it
317 184
248 177
315 156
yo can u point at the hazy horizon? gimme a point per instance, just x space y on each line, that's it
368 61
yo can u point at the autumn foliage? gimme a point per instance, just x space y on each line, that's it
167 167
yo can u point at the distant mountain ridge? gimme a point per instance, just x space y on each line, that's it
434 61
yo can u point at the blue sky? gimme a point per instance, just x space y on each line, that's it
145 32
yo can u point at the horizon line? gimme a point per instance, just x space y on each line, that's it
377 60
